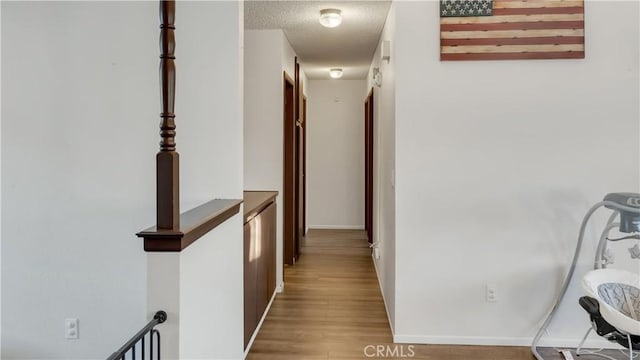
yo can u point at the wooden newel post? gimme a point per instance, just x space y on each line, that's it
169 234
167 160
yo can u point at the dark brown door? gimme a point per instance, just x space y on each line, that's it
368 166
294 158
299 233
298 191
289 168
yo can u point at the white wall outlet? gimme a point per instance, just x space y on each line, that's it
71 330
492 293
376 253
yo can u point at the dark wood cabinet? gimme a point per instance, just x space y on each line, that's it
259 257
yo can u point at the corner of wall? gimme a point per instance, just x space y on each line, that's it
384 159
163 293
0 200
288 56
263 135
390 315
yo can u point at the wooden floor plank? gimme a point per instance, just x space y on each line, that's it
331 308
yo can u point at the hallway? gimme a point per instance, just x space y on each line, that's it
332 308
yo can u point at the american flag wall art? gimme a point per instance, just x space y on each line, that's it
511 29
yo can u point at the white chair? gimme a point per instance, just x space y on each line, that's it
613 296
613 302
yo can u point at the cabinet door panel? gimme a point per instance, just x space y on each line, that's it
262 290
259 267
250 315
270 243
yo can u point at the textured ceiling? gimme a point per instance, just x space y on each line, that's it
349 46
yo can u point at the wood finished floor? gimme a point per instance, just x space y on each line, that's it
332 308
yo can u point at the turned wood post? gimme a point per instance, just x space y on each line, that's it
167 159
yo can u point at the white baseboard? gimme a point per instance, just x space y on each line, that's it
594 342
501 341
384 300
336 227
257 330
280 288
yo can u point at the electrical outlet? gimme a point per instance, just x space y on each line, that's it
491 293
71 330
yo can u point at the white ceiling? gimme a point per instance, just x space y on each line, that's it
349 46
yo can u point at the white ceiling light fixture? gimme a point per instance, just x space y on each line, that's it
335 73
330 17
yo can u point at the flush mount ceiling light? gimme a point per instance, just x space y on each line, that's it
335 73
330 17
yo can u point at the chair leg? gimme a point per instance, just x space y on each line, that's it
584 339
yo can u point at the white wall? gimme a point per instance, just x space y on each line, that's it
211 295
384 200
209 100
200 288
267 54
263 120
79 137
335 154
288 56
0 199
206 318
210 88
289 66
497 162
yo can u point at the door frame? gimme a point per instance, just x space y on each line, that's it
368 164
298 171
304 164
288 181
